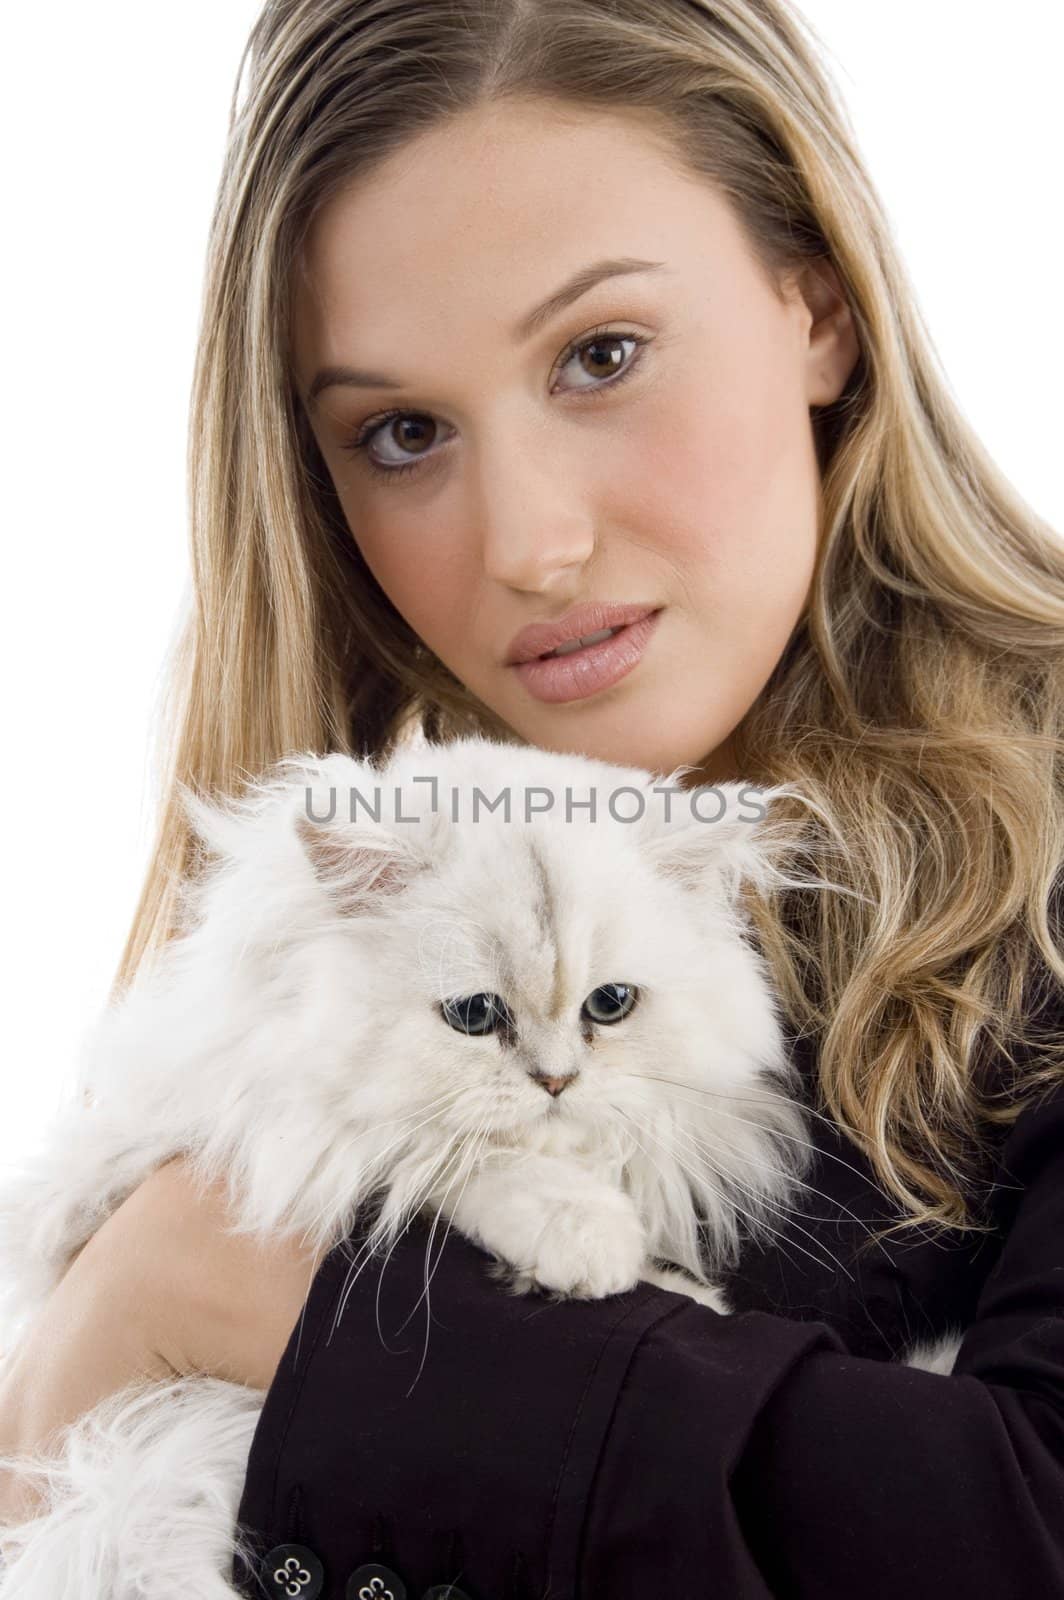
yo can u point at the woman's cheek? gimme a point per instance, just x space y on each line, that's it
688 485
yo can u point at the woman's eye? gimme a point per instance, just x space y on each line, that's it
475 1013
596 344
403 428
610 1002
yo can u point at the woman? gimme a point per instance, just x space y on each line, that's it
436 223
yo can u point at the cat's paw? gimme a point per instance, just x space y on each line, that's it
586 1250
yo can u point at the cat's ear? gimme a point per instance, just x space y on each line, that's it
391 835
717 837
359 865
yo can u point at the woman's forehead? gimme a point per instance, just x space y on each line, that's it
450 233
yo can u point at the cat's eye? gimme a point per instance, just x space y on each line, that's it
610 1002
475 1013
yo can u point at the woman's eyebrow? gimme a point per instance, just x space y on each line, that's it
580 283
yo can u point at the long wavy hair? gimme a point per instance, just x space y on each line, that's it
919 700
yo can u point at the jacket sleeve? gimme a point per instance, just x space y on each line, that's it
853 1476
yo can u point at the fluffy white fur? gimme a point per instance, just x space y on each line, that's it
291 1044
143 1498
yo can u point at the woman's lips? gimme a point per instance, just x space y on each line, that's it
590 669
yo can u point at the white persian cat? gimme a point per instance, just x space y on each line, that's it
527 1018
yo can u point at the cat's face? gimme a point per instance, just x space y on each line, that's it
558 980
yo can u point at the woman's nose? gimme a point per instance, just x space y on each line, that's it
532 531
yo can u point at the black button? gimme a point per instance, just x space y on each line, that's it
292 1572
374 1582
444 1591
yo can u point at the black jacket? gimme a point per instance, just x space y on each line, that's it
644 1446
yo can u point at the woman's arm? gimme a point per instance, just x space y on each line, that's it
162 1289
645 1444
848 1476
90 1339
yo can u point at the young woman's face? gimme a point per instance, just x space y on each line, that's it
668 463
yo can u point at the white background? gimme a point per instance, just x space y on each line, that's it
114 122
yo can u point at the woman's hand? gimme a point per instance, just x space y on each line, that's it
160 1290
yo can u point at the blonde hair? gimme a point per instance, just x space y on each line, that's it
919 700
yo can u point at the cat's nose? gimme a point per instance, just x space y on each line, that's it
554 1086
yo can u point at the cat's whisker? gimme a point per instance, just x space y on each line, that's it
452 1097
657 1167
644 1152
849 1274
474 1141
367 1249
412 1207
351 1277
478 1141
724 1094
812 1189
381 1234
378 1234
755 1221
750 1093
800 1182
762 1199
434 1107
809 1188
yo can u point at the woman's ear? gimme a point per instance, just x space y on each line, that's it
833 344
